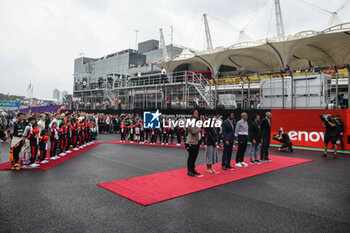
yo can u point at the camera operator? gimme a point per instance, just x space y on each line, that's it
330 135
340 131
284 138
3 125
3 135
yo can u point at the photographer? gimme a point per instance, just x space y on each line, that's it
3 126
284 138
340 131
3 135
330 135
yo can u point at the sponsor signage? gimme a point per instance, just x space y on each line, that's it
152 120
9 104
305 127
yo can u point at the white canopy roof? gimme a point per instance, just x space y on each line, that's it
328 47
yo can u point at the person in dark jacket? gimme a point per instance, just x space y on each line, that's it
211 150
265 127
255 140
228 130
340 131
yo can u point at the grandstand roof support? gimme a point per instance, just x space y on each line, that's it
163 45
207 33
277 53
279 21
323 52
233 62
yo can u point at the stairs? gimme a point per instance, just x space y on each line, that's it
109 93
204 89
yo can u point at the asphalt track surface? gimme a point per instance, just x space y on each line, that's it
310 197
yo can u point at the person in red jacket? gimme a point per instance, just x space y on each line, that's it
34 142
69 134
75 129
82 134
62 138
154 133
54 141
43 145
165 131
142 132
122 132
90 128
132 132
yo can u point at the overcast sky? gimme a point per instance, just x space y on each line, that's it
39 39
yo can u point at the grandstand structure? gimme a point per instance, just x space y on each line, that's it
224 76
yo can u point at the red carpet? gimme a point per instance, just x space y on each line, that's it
154 188
52 163
158 144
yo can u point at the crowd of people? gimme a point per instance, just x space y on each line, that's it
39 135
36 133
258 134
132 130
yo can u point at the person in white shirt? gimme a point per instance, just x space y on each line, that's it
41 122
241 133
56 119
163 71
164 78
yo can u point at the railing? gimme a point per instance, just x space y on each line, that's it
342 73
338 27
187 88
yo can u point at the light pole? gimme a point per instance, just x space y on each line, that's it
136 31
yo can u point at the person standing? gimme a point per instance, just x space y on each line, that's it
41 122
340 131
255 140
196 101
34 143
193 141
211 150
54 141
43 146
56 119
228 129
17 140
219 129
26 147
241 133
265 127
163 76
330 135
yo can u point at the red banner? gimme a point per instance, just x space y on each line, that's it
304 126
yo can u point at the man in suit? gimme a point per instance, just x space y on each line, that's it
228 130
265 127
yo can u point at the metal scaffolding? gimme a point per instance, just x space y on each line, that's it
180 90
186 89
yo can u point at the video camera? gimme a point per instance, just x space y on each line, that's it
327 117
276 137
3 120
